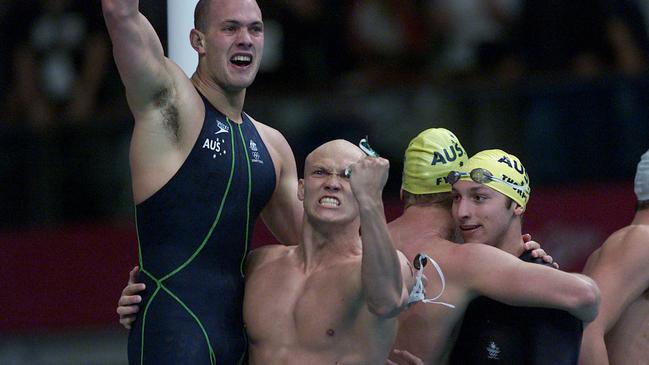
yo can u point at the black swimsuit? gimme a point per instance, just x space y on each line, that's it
497 333
193 237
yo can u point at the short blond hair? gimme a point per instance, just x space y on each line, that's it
442 199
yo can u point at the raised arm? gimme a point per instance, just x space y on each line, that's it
503 277
619 267
137 51
382 267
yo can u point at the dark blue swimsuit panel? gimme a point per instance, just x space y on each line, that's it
497 333
193 237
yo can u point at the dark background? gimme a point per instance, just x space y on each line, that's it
564 85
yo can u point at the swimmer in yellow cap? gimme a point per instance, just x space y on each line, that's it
490 195
620 333
491 175
426 226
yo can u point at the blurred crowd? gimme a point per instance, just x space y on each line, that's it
369 43
65 125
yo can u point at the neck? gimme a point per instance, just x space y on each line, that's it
230 103
327 240
641 217
422 221
511 241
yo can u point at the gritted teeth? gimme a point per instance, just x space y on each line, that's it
330 201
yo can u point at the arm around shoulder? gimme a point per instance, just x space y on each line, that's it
503 277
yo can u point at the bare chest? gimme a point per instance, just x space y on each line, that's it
308 311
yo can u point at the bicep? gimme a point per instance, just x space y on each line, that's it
283 213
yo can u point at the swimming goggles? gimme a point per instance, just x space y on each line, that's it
364 145
418 293
481 176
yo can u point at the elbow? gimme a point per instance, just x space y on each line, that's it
587 301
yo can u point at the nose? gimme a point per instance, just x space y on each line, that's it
461 210
244 38
333 182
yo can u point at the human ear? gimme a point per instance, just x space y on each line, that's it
300 189
518 210
196 38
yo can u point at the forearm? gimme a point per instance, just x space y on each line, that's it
381 268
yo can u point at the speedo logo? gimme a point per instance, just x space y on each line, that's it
449 154
223 128
216 145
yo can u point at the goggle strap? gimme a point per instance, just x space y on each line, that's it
417 294
364 145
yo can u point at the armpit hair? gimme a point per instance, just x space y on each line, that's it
163 100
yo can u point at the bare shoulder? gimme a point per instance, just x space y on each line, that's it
266 254
623 248
273 138
433 247
630 237
637 236
630 241
457 261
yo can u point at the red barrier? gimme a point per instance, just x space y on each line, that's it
72 276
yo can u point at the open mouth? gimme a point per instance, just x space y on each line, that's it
328 201
241 60
469 227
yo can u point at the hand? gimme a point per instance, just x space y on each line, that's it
127 306
369 177
404 358
534 249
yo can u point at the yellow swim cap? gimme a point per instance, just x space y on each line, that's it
429 158
515 183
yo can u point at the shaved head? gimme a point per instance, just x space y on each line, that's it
338 149
200 14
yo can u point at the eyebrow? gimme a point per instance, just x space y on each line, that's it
480 188
327 169
473 189
238 22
